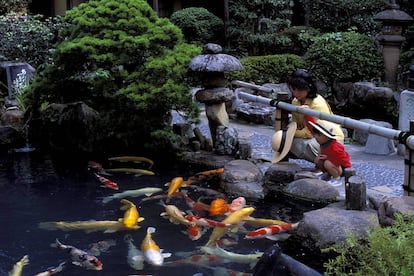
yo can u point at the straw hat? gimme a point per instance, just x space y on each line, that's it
324 127
282 141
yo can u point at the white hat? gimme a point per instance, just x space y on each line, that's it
324 127
282 142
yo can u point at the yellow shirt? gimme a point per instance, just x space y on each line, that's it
318 104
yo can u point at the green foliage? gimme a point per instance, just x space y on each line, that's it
300 37
199 26
124 61
265 69
387 251
27 38
342 57
340 15
9 6
255 25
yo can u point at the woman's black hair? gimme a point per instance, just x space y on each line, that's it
301 79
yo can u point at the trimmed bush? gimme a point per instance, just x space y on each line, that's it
266 69
18 6
344 57
199 26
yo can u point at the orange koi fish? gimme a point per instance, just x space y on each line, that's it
107 183
272 232
211 172
194 232
52 271
79 257
173 186
218 206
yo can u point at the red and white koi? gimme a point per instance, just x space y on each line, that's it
195 232
226 242
97 167
52 271
152 253
204 222
272 232
106 183
237 204
79 257
194 205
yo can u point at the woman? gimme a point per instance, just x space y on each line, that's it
304 92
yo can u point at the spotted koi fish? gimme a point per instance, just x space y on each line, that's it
272 232
195 232
52 271
204 222
107 183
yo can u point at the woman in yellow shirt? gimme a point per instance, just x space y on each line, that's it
304 92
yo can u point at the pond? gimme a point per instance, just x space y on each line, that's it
34 188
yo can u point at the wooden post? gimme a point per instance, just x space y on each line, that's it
355 193
408 185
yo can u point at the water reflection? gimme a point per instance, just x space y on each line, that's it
33 189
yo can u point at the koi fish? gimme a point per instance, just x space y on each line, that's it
106 183
18 267
175 215
232 218
220 271
79 257
211 172
135 257
226 242
107 226
97 167
157 197
52 271
237 204
204 222
232 257
262 222
194 232
272 232
132 193
152 253
131 170
131 215
135 159
173 186
198 207
218 206
101 246
196 260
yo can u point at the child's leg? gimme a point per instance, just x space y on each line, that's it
334 171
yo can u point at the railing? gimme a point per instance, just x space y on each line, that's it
404 137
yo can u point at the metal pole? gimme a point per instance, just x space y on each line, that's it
409 169
401 136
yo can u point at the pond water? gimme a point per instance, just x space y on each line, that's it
34 189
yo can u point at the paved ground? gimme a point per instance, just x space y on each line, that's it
383 173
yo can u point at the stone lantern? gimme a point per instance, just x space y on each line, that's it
393 20
212 65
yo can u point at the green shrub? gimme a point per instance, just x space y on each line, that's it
301 37
8 6
343 57
387 251
265 69
199 25
340 15
27 38
125 62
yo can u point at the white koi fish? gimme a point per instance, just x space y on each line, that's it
18 267
79 257
135 257
232 218
272 232
152 253
132 193
52 271
101 246
232 257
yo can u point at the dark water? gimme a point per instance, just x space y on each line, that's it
34 189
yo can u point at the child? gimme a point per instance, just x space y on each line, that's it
333 158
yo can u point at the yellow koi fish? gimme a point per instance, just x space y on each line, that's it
135 159
152 253
173 186
262 222
18 267
130 170
131 215
107 226
232 218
